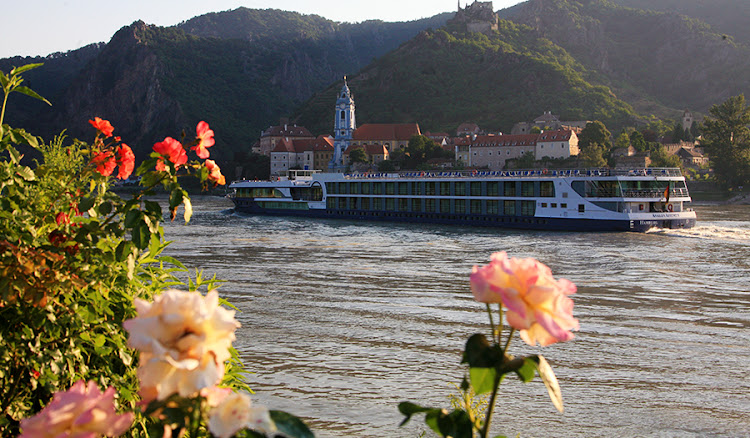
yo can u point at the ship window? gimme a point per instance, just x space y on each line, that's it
403 188
445 206
509 208
528 208
430 188
417 188
563 205
445 189
476 188
429 205
342 203
554 205
492 188
365 204
390 204
366 188
331 188
403 204
342 188
377 203
476 206
331 203
510 188
544 205
492 207
546 189
377 188
416 205
460 206
460 189
581 208
354 188
527 188
390 188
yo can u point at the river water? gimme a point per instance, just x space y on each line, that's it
343 320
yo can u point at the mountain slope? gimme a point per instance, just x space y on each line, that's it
725 16
644 56
440 79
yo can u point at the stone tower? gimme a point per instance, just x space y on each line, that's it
344 125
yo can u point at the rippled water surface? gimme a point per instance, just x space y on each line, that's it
342 320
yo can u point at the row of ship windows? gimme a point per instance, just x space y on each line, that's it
445 188
419 205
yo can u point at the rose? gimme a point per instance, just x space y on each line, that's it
205 139
173 150
102 126
126 161
215 173
538 305
81 411
184 340
105 163
234 412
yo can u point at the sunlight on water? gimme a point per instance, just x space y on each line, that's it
343 320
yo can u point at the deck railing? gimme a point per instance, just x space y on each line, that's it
651 171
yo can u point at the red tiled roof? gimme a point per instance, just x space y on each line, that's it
505 140
560 135
286 131
386 131
301 145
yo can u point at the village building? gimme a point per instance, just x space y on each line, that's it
394 136
274 134
470 129
375 153
300 154
548 121
493 151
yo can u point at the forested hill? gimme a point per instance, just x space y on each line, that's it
239 70
441 79
730 17
654 60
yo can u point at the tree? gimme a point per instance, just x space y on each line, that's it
593 156
387 166
726 137
638 142
595 133
678 134
358 156
660 158
622 141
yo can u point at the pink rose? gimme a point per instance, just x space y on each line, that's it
537 304
82 411
205 138
184 340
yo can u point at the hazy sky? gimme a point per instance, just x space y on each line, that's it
41 27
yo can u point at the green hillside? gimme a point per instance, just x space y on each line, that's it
440 80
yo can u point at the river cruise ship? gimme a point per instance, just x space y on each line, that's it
587 200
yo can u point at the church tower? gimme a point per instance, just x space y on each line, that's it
343 126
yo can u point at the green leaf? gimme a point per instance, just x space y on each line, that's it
25 68
86 204
482 379
290 425
124 249
188 208
26 173
175 198
409 409
29 92
105 208
132 217
528 370
153 208
480 354
33 142
141 235
550 381
456 424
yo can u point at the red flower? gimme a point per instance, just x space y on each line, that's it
126 161
105 163
102 126
214 173
62 218
173 150
205 139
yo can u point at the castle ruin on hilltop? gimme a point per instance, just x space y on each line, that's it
477 17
